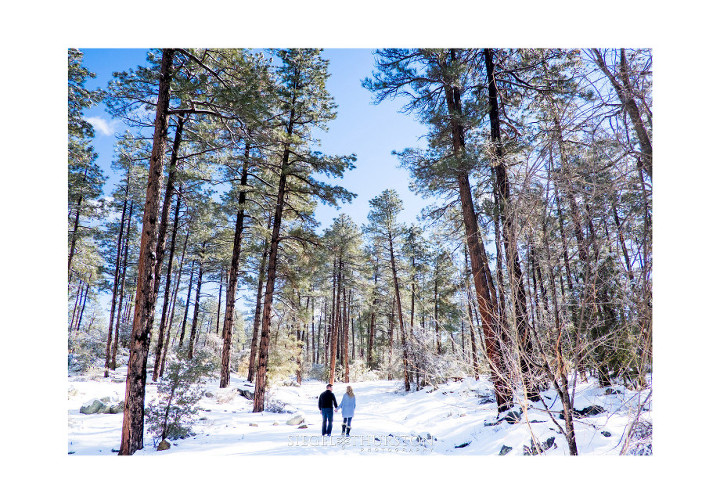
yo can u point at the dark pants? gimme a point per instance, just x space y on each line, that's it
346 425
327 414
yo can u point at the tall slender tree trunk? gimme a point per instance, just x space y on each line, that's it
128 306
306 331
346 309
71 327
570 194
219 303
561 225
401 325
412 314
621 239
335 324
196 311
562 387
233 276
391 328
300 336
162 231
258 307
187 305
166 298
373 313
480 271
436 316
178 277
116 339
264 350
509 236
312 332
108 348
352 331
73 240
167 202
134 412
82 306
471 325
322 324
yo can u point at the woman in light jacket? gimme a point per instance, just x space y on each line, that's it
348 410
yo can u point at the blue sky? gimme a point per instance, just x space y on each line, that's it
370 131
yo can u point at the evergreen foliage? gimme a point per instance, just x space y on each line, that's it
175 411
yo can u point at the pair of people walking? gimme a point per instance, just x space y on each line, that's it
326 404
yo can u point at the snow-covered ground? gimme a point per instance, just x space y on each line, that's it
457 418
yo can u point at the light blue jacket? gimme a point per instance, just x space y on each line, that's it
348 406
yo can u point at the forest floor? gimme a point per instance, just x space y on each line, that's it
456 418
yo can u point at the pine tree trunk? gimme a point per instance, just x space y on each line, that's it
352 331
196 311
116 339
108 348
134 412
562 387
233 277
621 239
436 316
71 327
258 307
162 233
570 194
471 325
473 343
561 225
82 307
509 238
299 340
312 333
371 338
260 383
373 312
76 225
219 303
391 321
187 305
173 304
346 339
306 331
480 271
159 349
403 341
335 324
412 315
167 201
322 324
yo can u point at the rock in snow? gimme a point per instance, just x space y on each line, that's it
543 446
296 420
101 406
505 450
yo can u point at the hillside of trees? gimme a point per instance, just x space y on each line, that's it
531 263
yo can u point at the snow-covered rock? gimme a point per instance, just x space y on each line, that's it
296 420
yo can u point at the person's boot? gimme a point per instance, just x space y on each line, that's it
343 429
347 432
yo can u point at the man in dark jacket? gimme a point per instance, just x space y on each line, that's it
326 403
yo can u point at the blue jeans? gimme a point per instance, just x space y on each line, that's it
346 425
327 415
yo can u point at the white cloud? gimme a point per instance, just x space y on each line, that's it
101 125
